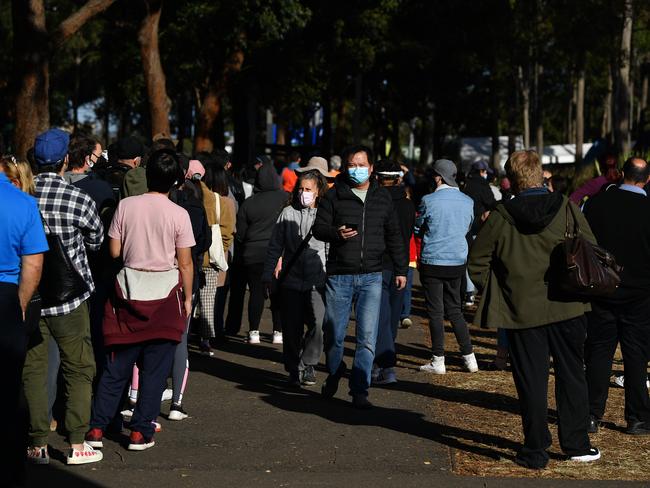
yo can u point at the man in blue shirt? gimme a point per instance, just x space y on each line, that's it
445 217
23 243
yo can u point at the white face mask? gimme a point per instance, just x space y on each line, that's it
307 198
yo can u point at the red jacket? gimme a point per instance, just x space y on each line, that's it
135 321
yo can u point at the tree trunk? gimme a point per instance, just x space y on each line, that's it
395 147
326 141
622 111
33 47
154 75
245 122
537 108
643 103
524 87
606 125
358 100
212 101
580 114
570 128
32 68
427 135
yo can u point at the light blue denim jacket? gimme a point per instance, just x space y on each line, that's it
444 219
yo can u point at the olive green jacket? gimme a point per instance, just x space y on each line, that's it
511 268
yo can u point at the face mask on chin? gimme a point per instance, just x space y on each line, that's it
358 175
307 198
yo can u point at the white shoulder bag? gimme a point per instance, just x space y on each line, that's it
217 256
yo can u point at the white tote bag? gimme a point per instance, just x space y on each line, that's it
217 256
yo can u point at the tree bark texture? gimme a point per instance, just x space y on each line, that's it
622 110
33 48
211 104
524 88
159 104
606 125
580 114
537 108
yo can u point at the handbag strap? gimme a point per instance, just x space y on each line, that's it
576 226
294 258
218 207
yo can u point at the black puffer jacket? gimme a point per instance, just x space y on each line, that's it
378 230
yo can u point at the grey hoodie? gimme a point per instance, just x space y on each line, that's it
289 231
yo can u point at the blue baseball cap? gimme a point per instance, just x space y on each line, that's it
51 147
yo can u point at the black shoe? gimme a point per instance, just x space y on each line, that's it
308 376
361 402
294 379
527 463
332 382
594 423
638 428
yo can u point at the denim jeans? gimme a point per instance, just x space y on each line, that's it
406 303
340 292
391 307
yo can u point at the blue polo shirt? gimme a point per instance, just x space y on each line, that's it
21 229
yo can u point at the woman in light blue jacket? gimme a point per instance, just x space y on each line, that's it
295 261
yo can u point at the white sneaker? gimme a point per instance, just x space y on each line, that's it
127 414
85 455
620 381
277 337
436 366
470 363
176 412
593 455
167 395
386 377
254 337
374 373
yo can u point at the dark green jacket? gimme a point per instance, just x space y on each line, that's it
510 259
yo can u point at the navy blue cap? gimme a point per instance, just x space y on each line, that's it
51 147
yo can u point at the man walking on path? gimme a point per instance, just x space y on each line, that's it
72 215
356 218
620 219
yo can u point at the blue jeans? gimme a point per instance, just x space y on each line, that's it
391 307
406 302
340 292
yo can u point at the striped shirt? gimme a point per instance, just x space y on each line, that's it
72 215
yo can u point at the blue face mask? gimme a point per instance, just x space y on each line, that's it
358 175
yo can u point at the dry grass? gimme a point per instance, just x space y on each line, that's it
482 409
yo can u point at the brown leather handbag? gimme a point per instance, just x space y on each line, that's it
588 271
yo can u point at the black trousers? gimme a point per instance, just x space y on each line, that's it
13 348
252 276
442 297
530 350
628 324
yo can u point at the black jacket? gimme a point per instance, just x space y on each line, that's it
620 220
377 228
258 214
478 189
188 198
404 214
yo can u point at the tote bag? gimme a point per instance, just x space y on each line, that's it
216 254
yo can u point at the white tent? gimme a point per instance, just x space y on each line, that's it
480 149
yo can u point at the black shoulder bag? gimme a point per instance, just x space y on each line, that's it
286 268
60 282
588 271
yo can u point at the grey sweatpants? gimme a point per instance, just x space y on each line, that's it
300 309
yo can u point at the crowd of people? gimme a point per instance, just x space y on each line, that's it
113 258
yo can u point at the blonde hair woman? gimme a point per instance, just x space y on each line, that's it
18 172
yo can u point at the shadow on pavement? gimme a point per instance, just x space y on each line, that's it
278 393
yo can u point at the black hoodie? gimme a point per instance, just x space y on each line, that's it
533 212
258 214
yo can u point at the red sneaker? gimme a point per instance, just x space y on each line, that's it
138 442
94 438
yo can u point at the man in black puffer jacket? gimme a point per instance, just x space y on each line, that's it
356 218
